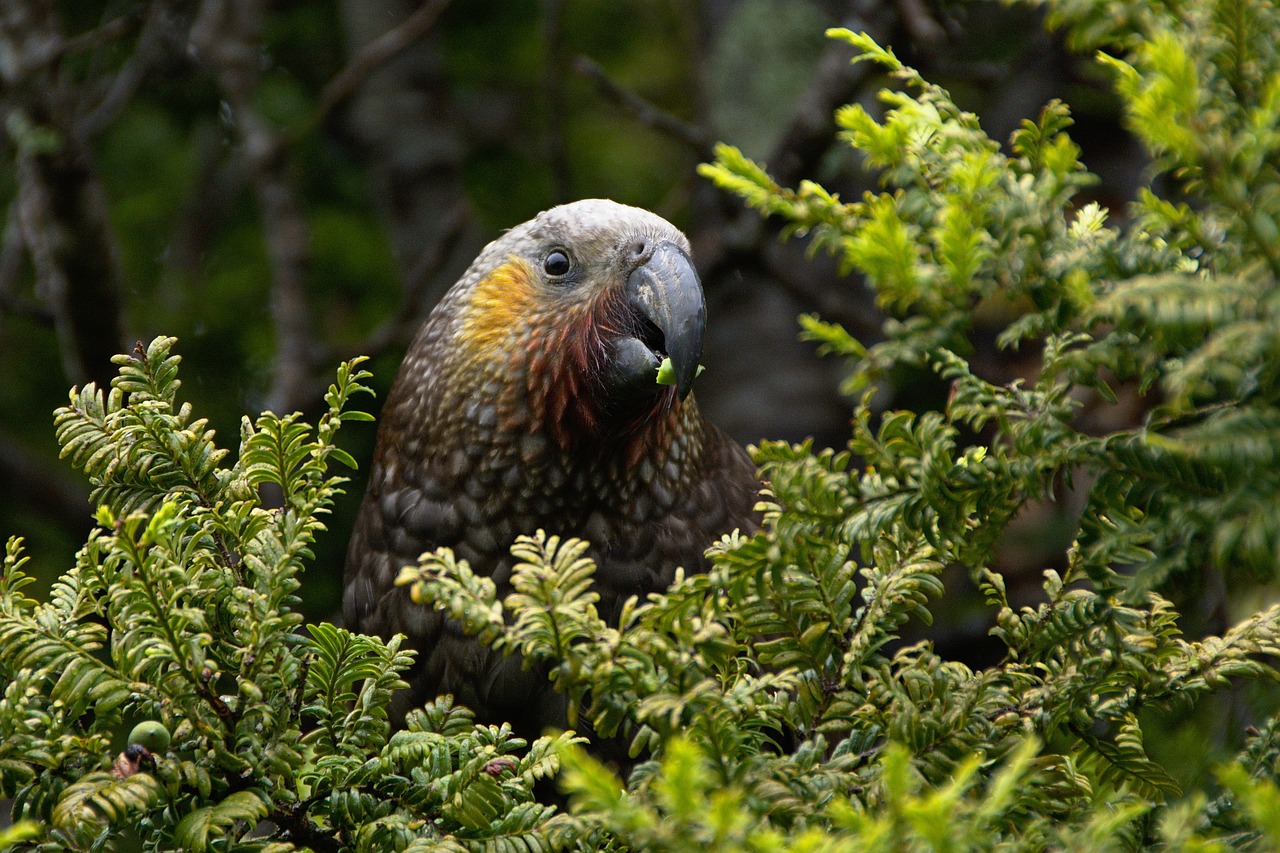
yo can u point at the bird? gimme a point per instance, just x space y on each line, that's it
529 400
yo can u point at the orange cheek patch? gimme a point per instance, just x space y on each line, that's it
501 303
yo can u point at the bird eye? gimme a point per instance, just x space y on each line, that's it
556 262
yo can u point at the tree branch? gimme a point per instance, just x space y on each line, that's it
642 110
378 52
811 130
60 206
157 41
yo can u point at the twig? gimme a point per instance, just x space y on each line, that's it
150 49
300 690
104 34
379 52
645 112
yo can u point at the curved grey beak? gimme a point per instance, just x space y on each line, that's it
665 289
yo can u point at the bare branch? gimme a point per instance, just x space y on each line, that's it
60 206
644 111
378 52
156 40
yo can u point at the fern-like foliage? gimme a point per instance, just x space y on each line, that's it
181 609
776 702
135 442
1177 301
772 703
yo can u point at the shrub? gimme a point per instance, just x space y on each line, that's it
181 610
769 704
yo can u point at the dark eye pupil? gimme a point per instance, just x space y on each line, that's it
556 263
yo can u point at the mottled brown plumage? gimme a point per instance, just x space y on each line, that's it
528 400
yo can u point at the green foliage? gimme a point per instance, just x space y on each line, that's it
1174 307
777 702
1179 305
774 695
180 615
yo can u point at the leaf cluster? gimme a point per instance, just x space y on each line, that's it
776 702
1173 307
182 609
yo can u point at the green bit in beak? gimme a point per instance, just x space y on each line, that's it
667 373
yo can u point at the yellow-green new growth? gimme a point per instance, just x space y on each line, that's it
667 373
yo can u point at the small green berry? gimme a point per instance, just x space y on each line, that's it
150 734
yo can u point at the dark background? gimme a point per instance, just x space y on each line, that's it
285 185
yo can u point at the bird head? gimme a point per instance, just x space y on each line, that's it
577 309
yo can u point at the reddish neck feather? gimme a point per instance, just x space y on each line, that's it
569 398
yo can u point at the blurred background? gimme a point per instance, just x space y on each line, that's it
284 185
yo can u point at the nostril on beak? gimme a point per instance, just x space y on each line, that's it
639 248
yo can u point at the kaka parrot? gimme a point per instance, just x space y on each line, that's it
529 400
